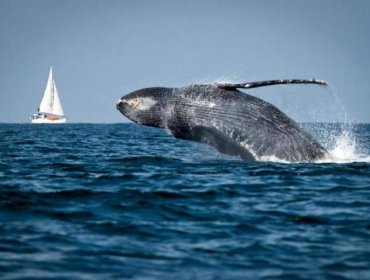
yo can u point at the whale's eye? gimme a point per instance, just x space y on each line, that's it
136 102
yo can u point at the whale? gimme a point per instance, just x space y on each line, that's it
225 117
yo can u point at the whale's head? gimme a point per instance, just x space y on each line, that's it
146 106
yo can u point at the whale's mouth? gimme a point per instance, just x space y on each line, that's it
125 109
120 104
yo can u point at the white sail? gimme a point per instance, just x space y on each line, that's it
57 106
46 105
50 110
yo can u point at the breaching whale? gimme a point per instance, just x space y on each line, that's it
221 115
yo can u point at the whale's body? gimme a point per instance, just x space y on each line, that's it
222 116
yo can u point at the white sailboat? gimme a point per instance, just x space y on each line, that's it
50 109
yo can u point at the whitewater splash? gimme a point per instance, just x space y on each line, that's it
345 150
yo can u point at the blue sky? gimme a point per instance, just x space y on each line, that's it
101 50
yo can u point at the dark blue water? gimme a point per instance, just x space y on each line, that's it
129 202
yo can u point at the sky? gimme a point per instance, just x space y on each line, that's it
101 50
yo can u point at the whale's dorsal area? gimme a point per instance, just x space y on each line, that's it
220 115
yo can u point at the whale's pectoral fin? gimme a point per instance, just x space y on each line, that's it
270 83
213 137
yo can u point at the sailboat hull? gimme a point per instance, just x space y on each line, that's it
46 120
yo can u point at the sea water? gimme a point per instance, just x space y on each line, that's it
82 201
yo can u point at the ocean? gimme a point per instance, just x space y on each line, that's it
123 201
